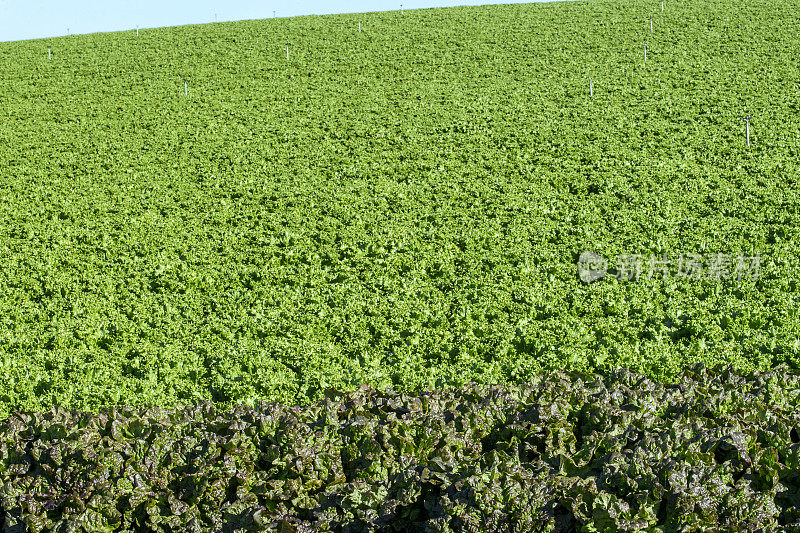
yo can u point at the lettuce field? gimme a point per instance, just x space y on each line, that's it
263 211
403 206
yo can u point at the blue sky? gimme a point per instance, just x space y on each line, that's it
33 19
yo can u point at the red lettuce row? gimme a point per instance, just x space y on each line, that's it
566 452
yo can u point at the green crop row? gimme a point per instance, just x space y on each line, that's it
403 206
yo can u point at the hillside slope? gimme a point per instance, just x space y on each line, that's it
402 206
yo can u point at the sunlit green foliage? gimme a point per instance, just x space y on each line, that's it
400 206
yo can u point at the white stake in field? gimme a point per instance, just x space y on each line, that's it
287 51
747 129
49 54
591 87
645 52
651 24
